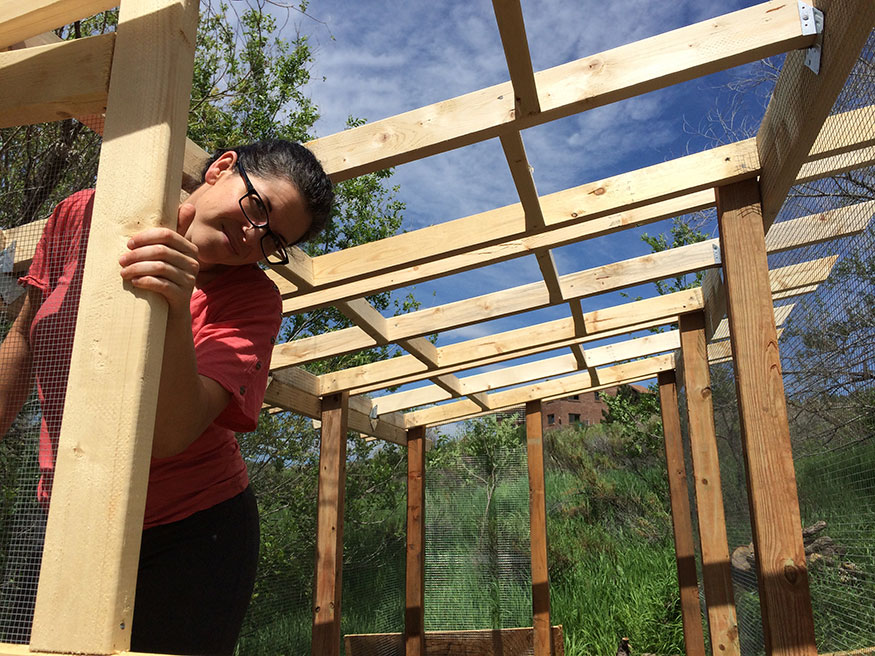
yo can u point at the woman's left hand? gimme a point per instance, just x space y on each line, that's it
163 261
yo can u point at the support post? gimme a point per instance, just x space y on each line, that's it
716 573
785 599
414 609
99 491
543 645
329 526
694 638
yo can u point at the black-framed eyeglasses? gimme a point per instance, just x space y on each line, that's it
272 245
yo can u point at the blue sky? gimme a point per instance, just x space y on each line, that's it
378 59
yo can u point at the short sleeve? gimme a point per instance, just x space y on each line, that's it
234 334
62 237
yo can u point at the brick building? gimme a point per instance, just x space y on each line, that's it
585 408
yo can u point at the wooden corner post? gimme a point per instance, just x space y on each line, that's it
88 578
329 526
785 599
716 574
694 637
414 607
543 644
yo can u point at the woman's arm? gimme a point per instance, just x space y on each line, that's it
15 362
163 261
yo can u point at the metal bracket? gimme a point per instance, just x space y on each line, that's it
372 416
716 248
812 23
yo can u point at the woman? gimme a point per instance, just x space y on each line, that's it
200 539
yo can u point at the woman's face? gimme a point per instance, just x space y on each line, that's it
219 228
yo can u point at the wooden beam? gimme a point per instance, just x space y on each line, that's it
802 99
581 382
716 572
287 390
477 642
329 526
679 496
564 364
538 531
99 492
509 16
684 54
22 20
617 275
54 82
414 613
785 599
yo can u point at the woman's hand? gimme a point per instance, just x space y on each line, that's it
163 261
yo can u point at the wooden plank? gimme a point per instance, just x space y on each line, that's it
716 572
836 165
802 100
479 642
679 497
54 82
608 377
286 395
505 303
684 54
509 16
508 223
7 649
556 366
329 526
580 204
785 600
21 20
414 611
538 531
99 491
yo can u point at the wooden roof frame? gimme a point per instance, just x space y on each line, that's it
748 181
535 225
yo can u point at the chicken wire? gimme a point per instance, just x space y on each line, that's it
40 165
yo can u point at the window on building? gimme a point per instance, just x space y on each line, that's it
595 395
573 418
575 397
551 419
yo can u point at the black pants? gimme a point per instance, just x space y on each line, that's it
194 582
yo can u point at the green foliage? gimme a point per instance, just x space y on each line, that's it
636 415
685 230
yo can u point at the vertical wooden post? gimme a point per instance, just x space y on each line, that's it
694 638
86 594
329 526
414 608
543 645
716 573
785 598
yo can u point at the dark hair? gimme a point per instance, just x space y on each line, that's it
286 160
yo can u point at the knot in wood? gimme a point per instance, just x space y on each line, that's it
791 571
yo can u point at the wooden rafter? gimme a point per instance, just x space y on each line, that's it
22 20
56 81
509 16
730 40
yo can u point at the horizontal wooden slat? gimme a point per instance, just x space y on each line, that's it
504 303
524 373
478 642
687 53
54 82
22 19
608 377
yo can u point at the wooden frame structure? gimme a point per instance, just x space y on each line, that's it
799 140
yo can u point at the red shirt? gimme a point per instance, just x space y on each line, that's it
235 320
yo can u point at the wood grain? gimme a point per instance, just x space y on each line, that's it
679 497
329 526
785 598
538 531
414 612
99 493
716 574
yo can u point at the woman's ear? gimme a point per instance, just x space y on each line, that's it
223 164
